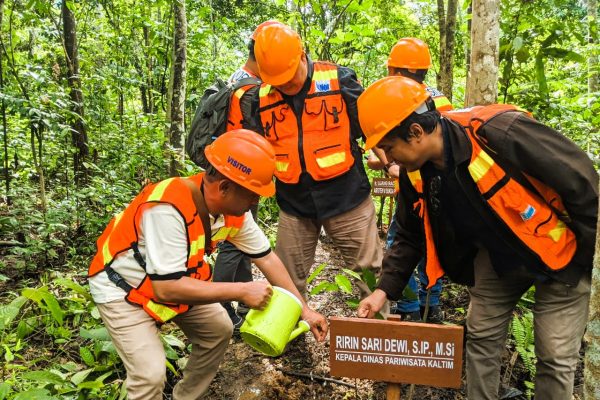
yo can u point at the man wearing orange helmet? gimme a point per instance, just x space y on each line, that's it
482 199
308 113
150 267
232 265
410 57
250 68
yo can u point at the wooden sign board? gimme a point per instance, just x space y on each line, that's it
403 352
383 187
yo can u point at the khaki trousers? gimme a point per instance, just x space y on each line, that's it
354 233
136 338
560 315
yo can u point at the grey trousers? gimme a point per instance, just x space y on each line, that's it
136 338
354 233
560 316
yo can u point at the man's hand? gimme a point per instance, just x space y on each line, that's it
370 305
394 171
256 294
317 322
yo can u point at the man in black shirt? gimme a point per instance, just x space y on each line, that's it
308 112
496 201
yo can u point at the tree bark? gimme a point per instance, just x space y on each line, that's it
4 128
178 85
447 26
593 66
591 384
79 135
483 71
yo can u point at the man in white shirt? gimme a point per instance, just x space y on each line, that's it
150 266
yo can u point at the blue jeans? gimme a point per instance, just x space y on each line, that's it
413 303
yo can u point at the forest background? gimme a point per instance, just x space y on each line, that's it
96 97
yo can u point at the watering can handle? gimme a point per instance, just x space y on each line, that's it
302 327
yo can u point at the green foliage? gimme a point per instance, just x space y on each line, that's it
521 330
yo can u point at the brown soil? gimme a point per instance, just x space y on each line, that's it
297 375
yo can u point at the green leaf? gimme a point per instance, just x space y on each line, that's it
44 376
517 43
540 75
8 354
80 376
35 394
46 300
321 287
173 341
87 356
352 303
369 278
343 283
4 390
98 334
74 286
315 273
172 368
10 311
90 385
353 274
26 327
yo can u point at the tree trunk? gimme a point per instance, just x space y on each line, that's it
178 81
593 66
447 26
483 71
591 384
4 128
79 135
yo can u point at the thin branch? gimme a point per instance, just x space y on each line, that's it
317 377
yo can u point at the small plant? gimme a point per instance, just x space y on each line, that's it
522 333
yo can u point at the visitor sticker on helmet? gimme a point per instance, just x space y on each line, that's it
246 158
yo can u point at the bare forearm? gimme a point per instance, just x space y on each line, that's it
275 272
192 291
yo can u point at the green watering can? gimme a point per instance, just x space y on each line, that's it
271 329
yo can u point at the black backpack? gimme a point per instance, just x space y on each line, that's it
210 120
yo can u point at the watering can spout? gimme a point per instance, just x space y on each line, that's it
302 327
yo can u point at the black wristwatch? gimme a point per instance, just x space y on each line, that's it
387 166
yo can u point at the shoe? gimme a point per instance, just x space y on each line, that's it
237 324
435 315
242 310
236 319
413 316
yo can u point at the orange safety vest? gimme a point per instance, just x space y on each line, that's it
121 235
235 117
439 99
534 215
320 143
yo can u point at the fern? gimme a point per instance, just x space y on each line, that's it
522 333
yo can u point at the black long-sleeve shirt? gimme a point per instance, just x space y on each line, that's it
462 222
325 199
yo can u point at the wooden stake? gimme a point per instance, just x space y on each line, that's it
393 391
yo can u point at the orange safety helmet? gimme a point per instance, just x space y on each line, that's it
410 53
277 49
262 26
246 158
386 103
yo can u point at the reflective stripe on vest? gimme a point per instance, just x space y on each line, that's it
527 215
121 235
534 218
325 138
441 101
